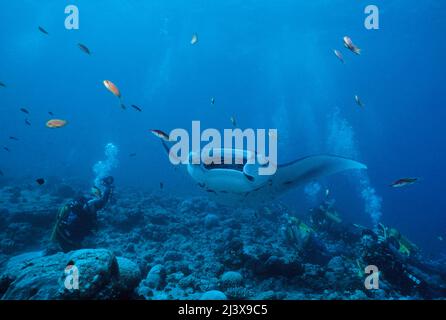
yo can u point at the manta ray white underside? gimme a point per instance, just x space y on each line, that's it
241 184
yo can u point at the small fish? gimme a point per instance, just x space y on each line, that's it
327 193
27 122
43 30
348 43
84 48
233 121
160 134
131 155
161 185
112 88
24 110
6 149
50 113
123 107
358 101
136 108
212 101
13 138
2 85
56 123
339 55
40 181
96 192
404 182
440 238
194 39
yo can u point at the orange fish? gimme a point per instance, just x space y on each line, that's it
56 123
112 88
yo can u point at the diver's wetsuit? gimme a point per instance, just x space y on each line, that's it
78 219
412 274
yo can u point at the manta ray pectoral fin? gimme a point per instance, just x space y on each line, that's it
310 168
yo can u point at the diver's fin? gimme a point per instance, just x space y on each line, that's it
301 171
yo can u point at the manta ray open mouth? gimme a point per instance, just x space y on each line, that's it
237 183
223 165
240 183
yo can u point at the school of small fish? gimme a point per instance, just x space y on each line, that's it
113 88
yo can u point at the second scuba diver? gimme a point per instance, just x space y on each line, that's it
78 219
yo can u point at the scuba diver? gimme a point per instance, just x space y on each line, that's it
399 260
402 264
326 219
301 236
78 218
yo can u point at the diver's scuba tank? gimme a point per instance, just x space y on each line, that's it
61 214
57 234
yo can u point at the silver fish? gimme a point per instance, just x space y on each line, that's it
339 55
348 43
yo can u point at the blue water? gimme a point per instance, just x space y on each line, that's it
269 64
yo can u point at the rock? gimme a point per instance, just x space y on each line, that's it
189 281
36 279
156 277
358 295
238 293
213 295
231 279
173 256
267 295
159 216
129 274
97 268
210 221
336 264
284 266
160 295
126 219
100 276
176 293
174 277
24 258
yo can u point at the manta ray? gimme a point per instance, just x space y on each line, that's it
241 184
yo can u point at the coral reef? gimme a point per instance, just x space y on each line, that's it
156 246
101 276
